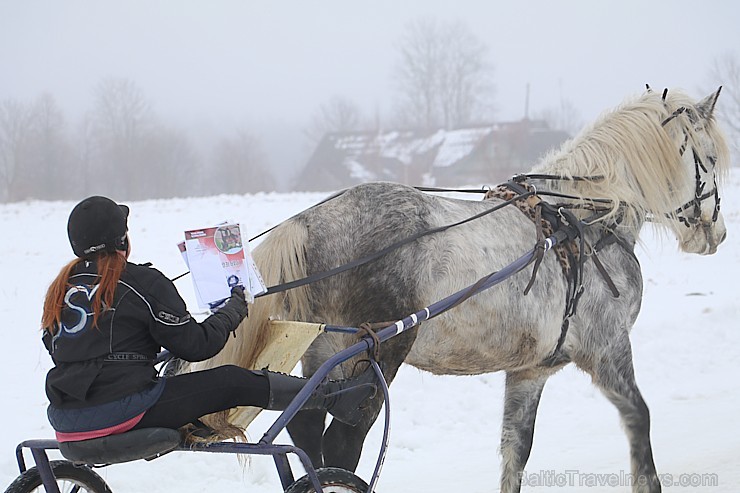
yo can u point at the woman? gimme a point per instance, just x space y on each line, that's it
104 321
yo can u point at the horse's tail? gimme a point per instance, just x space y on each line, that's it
280 258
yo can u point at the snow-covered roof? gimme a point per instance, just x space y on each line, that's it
457 144
410 156
404 146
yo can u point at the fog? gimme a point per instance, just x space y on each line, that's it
266 66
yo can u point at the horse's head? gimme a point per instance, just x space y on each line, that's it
697 220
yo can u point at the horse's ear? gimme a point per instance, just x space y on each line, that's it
705 107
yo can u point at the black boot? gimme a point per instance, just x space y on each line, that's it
342 398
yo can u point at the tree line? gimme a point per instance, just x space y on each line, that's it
119 148
443 78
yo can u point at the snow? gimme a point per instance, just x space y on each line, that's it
444 430
356 170
458 144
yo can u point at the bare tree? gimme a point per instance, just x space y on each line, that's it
726 72
336 115
444 77
121 111
52 151
173 165
121 120
239 166
563 117
84 151
16 135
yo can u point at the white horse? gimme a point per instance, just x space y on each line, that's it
658 157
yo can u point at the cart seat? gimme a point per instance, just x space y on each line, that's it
146 443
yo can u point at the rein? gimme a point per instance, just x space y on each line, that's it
560 219
375 255
523 194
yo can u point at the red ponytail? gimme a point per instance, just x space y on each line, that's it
110 267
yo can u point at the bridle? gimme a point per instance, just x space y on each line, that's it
699 184
699 196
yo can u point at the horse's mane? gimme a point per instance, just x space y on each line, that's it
637 157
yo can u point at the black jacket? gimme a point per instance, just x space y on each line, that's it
147 314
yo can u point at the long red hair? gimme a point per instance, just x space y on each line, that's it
110 267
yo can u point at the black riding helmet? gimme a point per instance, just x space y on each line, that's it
97 224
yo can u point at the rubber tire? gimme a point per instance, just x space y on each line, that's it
332 480
64 471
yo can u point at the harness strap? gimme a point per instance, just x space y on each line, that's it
375 255
606 240
540 176
571 252
539 249
547 220
452 190
368 329
576 282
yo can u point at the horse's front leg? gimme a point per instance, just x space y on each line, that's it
523 391
612 371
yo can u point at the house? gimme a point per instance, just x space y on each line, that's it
473 156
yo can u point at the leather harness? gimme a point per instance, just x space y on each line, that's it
548 219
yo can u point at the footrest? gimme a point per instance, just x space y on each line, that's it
147 443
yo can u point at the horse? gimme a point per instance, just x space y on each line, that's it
655 157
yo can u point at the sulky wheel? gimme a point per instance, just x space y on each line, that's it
70 478
333 480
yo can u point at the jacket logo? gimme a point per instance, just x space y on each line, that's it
82 311
168 317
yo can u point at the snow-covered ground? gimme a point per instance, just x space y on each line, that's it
445 430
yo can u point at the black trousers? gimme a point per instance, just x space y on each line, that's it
189 396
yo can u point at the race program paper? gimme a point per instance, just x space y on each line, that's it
218 260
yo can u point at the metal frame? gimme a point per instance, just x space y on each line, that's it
280 452
265 446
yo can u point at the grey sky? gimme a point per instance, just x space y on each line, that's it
262 62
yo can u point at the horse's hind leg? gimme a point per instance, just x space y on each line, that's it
342 444
523 391
339 446
306 430
612 371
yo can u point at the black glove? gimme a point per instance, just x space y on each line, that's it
233 311
238 302
238 291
